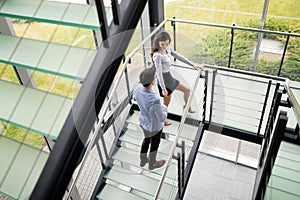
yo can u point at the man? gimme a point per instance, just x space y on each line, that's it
151 118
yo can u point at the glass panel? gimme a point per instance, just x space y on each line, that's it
270 54
135 67
290 68
20 168
216 11
35 110
219 145
237 102
284 17
249 154
202 44
243 50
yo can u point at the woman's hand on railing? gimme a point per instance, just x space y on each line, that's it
198 67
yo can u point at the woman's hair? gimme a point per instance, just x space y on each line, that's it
160 37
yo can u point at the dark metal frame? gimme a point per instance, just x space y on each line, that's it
192 157
269 127
264 107
115 11
283 54
70 145
212 94
156 12
264 172
103 21
173 24
231 45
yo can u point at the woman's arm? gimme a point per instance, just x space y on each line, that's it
158 66
180 57
184 59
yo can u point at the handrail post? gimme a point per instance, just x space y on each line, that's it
212 94
269 128
264 107
205 96
272 107
179 174
283 54
127 84
182 163
174 34
231 44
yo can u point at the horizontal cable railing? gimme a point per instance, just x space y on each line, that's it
233 27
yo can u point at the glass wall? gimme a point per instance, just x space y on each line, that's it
264 53
216 11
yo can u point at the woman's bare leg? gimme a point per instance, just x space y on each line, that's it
186 94
166 102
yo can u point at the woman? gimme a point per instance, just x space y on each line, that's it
161 54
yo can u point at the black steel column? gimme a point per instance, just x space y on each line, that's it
231 45
283 54
70 145
156 12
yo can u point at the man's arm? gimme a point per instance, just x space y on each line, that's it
159 112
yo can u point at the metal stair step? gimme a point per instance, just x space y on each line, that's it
188 133
110 192
32 109
69 14
71 62
131 157
135 138
20 168
139 182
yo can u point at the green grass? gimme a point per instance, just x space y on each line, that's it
22 135
7 73
226 12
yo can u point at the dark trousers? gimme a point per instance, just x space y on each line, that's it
153 139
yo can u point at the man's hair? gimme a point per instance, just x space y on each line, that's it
147 76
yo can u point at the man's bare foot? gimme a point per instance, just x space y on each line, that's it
167 123
157 164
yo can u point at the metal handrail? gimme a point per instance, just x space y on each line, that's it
234 27
179 130
294 102
106 108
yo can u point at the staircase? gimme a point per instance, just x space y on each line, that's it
140 182
30 108
123 176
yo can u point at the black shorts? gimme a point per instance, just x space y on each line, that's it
170 82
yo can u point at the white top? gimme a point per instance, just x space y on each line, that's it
162 62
